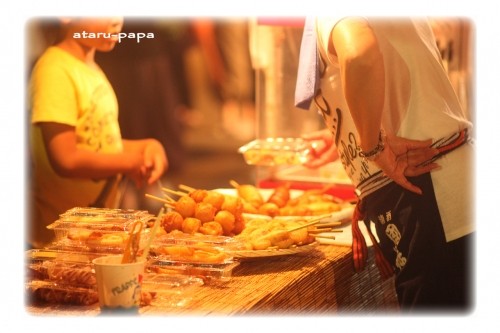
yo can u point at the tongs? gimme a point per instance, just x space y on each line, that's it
130 253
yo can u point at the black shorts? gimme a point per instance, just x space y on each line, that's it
431 274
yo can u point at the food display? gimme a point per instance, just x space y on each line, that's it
204 212
202 237
263 234
97 230
63 277
280 201
205 256
276 151
211 274
172 290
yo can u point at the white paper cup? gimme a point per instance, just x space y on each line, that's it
118 285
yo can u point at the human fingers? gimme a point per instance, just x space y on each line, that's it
160 165
319 159
405 183
323 134
419 156
398 173
413 171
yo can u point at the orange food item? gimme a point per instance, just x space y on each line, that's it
204 212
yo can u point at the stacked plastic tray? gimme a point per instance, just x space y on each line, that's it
207 257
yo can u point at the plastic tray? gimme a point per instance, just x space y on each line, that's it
209 273
171 290
276 151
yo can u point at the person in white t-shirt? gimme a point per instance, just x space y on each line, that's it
396 124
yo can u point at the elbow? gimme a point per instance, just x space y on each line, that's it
363 59
64 168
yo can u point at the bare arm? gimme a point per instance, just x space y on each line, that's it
363 79
141 160
362 74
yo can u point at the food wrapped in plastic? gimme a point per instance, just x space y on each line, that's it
103 215
65 268
173 290
50 292
99 230
202 249
210 273
276 151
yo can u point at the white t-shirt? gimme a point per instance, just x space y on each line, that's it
420 103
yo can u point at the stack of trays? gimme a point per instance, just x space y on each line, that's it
171 290
97 230
60 277
207 257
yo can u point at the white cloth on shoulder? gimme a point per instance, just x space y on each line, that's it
308 71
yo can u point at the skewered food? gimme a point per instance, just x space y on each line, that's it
191 225
226 220
203 211
186 206
212 228
172 220
280 195
249 193
269 208
262 234
216 199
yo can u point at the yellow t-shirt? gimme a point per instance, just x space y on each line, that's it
65 90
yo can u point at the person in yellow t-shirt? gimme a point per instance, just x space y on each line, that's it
77 154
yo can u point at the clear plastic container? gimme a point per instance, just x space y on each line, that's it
171 290
103 215
209 273
276 152
98 229
69 269
223 242
39 291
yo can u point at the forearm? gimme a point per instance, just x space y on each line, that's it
94 165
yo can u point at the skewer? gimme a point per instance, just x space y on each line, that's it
166 202
318 238
311 222
328 224
168 198
317 231
173 192
186 188
152 234
234 183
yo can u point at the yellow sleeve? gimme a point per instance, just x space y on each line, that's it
53 96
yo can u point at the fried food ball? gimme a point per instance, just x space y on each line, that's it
216 199
226 220
248 207
185 206
191 225
171 221
300 236
198 195
239 225
269 208
212 228
204 212
232 204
